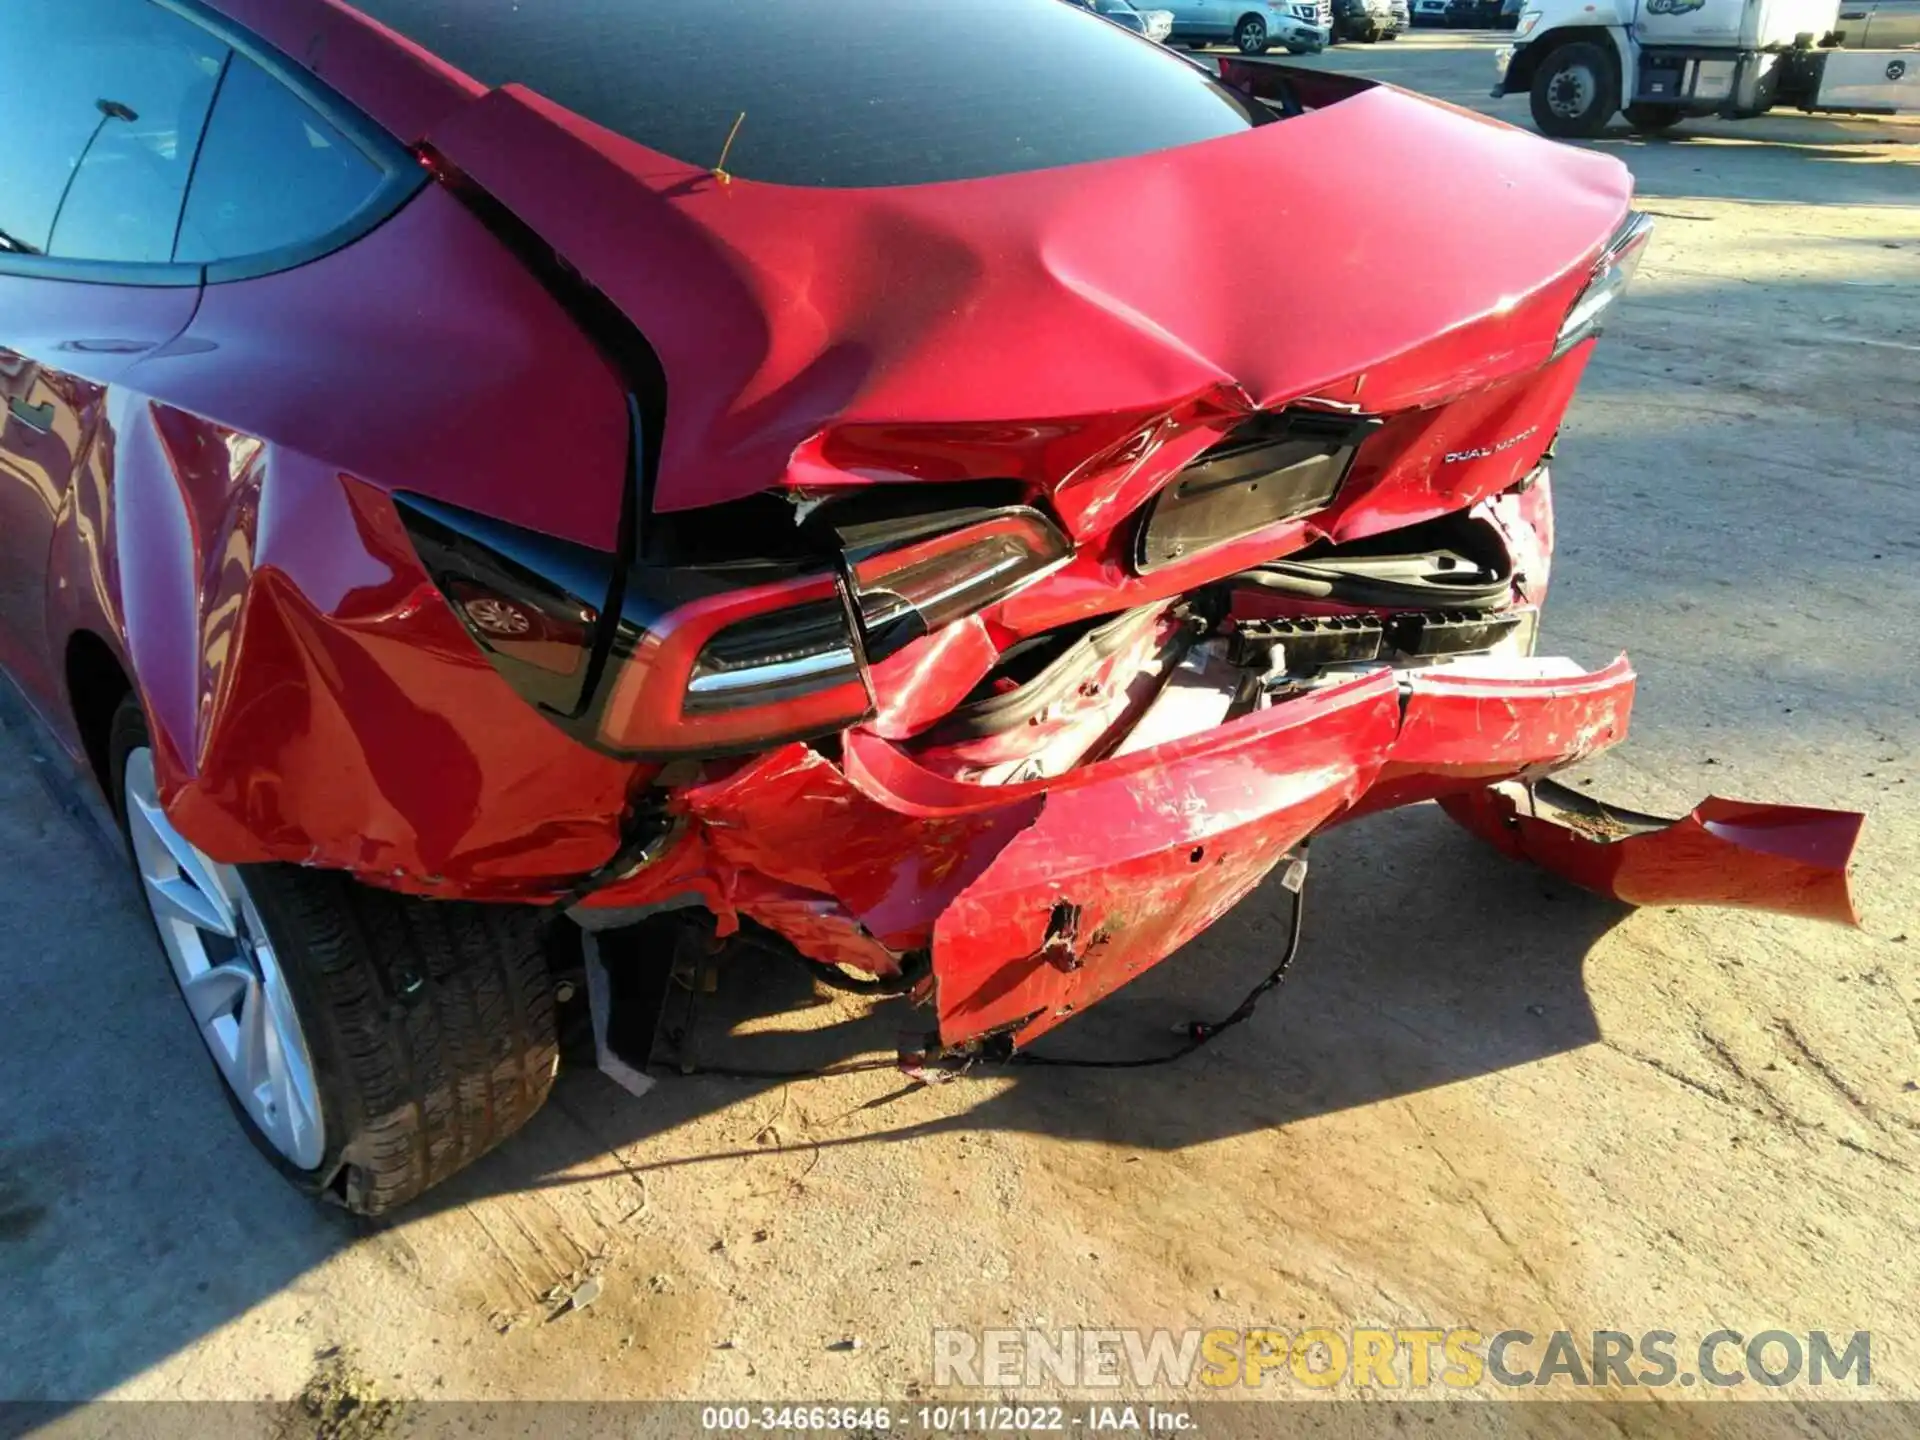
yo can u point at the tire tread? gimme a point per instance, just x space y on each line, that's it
443 1014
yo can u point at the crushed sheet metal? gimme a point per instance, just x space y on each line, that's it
1464 730
792 816
815 925
1788 859
898 782
1115 875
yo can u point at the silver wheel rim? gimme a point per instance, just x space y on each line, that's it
1570 93
228 973
1251 34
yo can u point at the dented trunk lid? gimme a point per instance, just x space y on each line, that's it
1020 326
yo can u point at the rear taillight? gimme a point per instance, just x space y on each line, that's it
711 660
1611 275
912 591
533 604
734 671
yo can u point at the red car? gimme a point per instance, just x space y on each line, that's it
476 469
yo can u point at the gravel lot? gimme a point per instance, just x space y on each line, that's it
1484 1099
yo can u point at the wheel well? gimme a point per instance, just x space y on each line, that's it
95 687
1250 15
1520 73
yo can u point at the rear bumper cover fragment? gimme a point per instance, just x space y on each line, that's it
1788 859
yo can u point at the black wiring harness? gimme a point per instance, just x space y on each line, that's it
1196 1033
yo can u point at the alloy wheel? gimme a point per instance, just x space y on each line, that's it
228 973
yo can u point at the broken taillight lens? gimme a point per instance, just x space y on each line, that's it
906 593
1611 275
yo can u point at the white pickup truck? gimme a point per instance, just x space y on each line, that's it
1660 61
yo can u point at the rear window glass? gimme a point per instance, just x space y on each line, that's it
271 173
839 92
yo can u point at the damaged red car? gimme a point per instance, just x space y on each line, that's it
476 472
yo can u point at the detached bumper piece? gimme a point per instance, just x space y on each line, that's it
1788 859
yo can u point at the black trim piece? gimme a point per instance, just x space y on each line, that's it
620 342
1454 563
593 688
864 522
556 591
102 272
1270 469
199 148
998 713
1425 634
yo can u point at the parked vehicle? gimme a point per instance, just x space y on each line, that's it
1473 14
1156 25
1660 61
1509 16
1368 20
1879 24
1432 12
431 514
1302 27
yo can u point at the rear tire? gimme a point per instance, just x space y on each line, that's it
1648 119
1250 36
428 1026
1576 90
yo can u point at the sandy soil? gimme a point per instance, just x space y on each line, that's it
1484 1099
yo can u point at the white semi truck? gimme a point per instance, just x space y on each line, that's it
1660 61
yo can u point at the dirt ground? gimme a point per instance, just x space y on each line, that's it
1483 1100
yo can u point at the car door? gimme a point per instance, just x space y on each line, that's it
102 103
1854 15
1194 19
1893 23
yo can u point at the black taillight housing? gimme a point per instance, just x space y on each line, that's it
533 604
660 660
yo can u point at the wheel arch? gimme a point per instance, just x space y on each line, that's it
97 682
1526 63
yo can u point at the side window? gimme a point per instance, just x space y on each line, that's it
101 107
271 173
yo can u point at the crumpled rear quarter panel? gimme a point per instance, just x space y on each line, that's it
343 718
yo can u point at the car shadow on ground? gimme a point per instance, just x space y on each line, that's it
135 1219
1378 1005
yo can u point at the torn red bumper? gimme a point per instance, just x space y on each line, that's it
1036 899
1142 854
1784 858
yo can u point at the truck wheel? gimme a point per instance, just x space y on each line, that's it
1649 119
1575 91
1250 35
371 1044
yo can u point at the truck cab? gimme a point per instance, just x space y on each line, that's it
1658 62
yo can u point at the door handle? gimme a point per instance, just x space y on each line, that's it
34 417
1853 14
